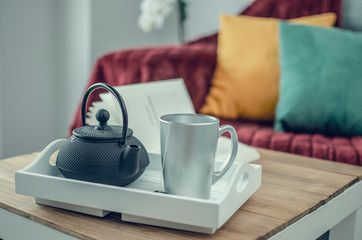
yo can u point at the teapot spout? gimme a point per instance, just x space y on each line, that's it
129 162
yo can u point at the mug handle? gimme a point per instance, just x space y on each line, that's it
234 150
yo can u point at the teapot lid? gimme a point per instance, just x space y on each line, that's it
102 131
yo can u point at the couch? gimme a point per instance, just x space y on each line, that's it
195 62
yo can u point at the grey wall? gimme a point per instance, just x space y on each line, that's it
114 26
203 15
73 58
1 111
27 83
47 50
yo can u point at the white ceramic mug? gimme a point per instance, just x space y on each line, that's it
188 148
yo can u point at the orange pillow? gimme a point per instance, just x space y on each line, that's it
246 79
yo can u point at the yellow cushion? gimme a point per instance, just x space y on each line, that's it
246 78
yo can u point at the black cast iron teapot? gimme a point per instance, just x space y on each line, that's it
106 154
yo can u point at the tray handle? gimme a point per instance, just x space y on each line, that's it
44 156
244 180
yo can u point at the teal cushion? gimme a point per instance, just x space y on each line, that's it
321 80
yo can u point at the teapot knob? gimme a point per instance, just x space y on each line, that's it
102 116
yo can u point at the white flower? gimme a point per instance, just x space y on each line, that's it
148 22
153 13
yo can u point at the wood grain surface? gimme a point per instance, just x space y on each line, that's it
292 187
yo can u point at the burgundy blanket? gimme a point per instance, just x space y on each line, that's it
195 62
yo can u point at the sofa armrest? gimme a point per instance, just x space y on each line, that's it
194 63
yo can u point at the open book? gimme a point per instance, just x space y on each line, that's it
146 103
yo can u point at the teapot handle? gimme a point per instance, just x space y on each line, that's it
119 99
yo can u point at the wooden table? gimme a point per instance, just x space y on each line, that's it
300 198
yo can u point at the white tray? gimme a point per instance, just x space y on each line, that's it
140 202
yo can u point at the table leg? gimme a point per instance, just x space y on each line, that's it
349 228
